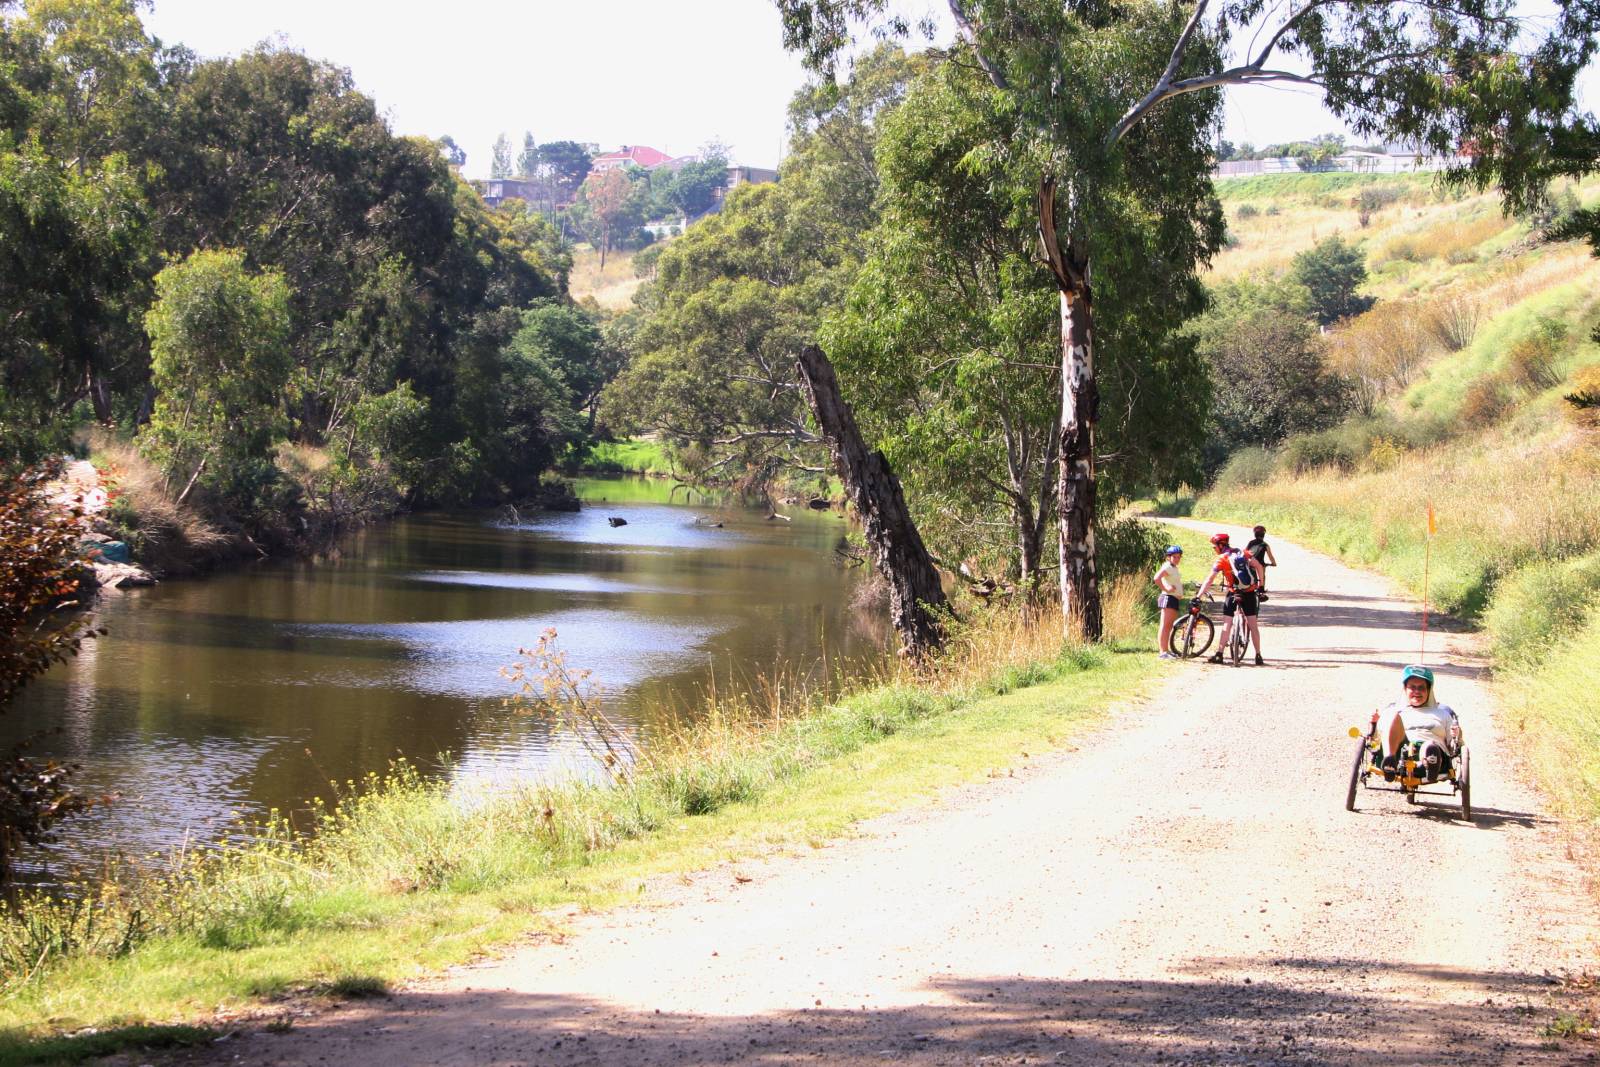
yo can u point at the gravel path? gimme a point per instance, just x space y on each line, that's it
1184 888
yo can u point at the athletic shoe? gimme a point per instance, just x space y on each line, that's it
1259 661
1215 659
1166 655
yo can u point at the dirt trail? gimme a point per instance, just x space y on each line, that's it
1185 888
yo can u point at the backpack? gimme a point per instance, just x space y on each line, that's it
1244 571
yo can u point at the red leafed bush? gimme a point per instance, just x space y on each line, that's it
39 626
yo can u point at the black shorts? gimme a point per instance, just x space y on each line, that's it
1245 603
1167 600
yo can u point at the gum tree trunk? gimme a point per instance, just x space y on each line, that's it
1080 403
1080 410
916 599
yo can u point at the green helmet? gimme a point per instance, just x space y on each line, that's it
1415 671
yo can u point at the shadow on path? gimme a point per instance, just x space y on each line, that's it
1353 656
1264 1011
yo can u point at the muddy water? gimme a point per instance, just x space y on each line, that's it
253 690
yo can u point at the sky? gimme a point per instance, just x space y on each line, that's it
667 73
672 74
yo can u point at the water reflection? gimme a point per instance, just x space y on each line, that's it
253 690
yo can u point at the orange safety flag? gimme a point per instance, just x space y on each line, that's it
1433 527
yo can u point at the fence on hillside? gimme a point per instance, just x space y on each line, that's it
1350 163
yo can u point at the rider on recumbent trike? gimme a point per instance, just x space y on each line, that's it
1418 728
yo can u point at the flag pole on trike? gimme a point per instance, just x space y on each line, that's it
1427 552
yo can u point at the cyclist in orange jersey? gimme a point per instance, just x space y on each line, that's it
1243 583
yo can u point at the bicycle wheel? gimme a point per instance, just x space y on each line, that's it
1464 783
1355 774
1238 641
1191 636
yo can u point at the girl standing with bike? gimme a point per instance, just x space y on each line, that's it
1170 582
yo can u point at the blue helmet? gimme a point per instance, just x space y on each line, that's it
1173 550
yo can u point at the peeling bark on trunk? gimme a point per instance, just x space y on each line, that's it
915 595
1080 404
1080 410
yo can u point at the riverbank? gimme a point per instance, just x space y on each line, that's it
648 458
157 535
403 878
632 456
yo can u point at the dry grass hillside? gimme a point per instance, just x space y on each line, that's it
612 288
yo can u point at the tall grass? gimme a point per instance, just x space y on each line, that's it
1451 379
167 535
612 288
1539 607
1501 501
1552 710
1452 240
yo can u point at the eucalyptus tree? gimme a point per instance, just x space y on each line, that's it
1120 98
727 366
948 325
948 347
528 158
220 362
81 88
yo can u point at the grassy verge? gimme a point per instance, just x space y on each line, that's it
405 877
624 457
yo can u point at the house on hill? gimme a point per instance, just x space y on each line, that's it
496 190
742 175
637 155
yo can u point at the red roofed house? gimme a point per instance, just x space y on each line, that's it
639 155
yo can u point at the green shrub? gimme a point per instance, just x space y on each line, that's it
1248 467
1247 211
1401 250
1538 606
1310 451
1373 440
1127 546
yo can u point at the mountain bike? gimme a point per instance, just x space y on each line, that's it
1192 633
1238 639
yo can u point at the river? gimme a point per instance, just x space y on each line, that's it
214 700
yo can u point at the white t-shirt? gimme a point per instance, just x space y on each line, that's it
1169 570
1422 724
